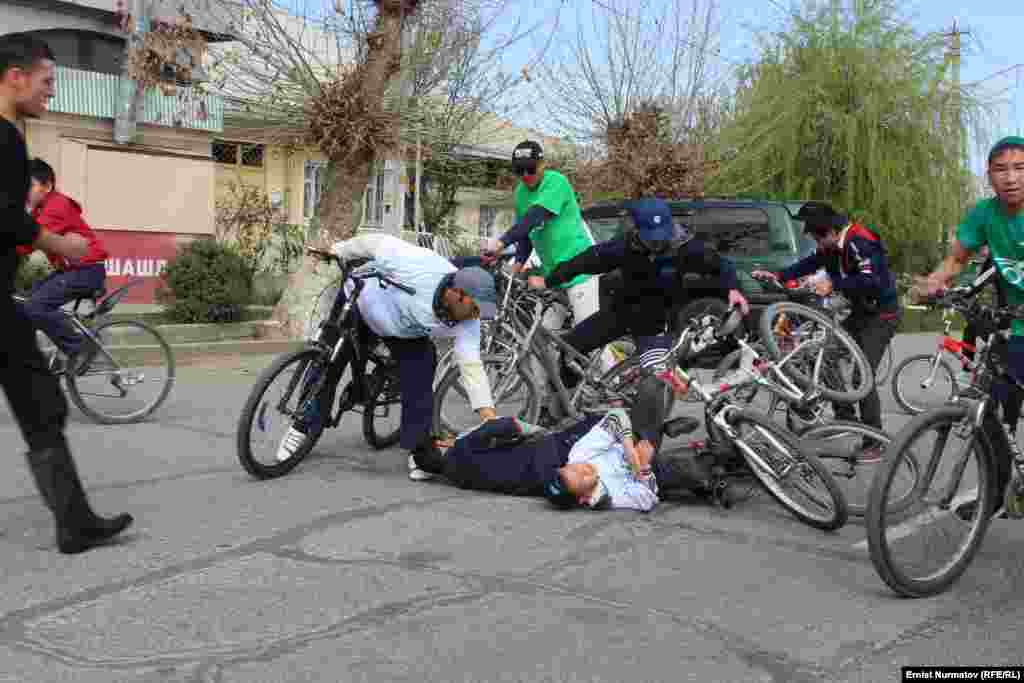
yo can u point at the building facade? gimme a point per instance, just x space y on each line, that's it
149 195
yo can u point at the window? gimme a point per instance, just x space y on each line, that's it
313 179
238 153
85 50
740 232
604 229
488 215
374 208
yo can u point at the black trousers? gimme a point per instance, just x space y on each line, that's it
33 392
872 332
417 361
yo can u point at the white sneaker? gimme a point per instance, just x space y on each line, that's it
416 474
289 444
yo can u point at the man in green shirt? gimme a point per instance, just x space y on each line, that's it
997 222
548 219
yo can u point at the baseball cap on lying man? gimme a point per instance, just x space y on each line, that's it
558 495
479 284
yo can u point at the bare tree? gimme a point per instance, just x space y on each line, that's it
629 55
323 74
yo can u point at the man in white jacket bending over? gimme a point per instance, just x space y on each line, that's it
448 302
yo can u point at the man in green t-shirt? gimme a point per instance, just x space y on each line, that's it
548 220
997 222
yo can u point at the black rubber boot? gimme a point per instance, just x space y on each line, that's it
78 527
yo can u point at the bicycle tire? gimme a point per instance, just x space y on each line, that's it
802 378
245 421
897 392
705 357
497 364
385 382
160 347
884 366
878 540
855 493
839 512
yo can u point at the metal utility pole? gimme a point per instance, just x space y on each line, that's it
953 55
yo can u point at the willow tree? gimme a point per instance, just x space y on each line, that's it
849 104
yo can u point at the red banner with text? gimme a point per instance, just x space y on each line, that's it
136 254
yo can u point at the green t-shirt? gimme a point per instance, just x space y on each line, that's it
563 236
987 223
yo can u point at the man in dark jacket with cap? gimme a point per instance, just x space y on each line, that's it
855 259
653 257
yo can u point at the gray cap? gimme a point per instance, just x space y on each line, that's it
479 284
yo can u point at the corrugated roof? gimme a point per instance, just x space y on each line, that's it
89 93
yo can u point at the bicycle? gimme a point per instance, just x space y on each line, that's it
937 371
834 363
121 358
851 450
336 340
972 481
513 384
733 430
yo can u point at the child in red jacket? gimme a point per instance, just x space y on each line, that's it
72 278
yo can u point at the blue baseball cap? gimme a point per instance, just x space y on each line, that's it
652 227
479 284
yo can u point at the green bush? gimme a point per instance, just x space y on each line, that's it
30 271
208 282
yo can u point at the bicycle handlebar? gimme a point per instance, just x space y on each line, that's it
348 267
963 301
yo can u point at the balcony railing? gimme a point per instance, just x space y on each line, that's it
89 93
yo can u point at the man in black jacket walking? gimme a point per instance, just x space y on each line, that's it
26 84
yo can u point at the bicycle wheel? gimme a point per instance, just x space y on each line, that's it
515 396
788 327
853 453
794 478
917 389
382 414
922 549
280 391
884 366
705 351
127 377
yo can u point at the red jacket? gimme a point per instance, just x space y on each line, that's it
61 214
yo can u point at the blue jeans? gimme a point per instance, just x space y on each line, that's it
48 295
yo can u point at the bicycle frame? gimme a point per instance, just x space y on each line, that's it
79 321
532 345
337 334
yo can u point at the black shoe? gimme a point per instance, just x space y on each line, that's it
78 527
679 426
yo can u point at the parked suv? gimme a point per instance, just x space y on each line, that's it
755 234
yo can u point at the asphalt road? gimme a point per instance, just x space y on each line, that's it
346 571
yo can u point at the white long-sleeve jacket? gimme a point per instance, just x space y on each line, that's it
391 312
